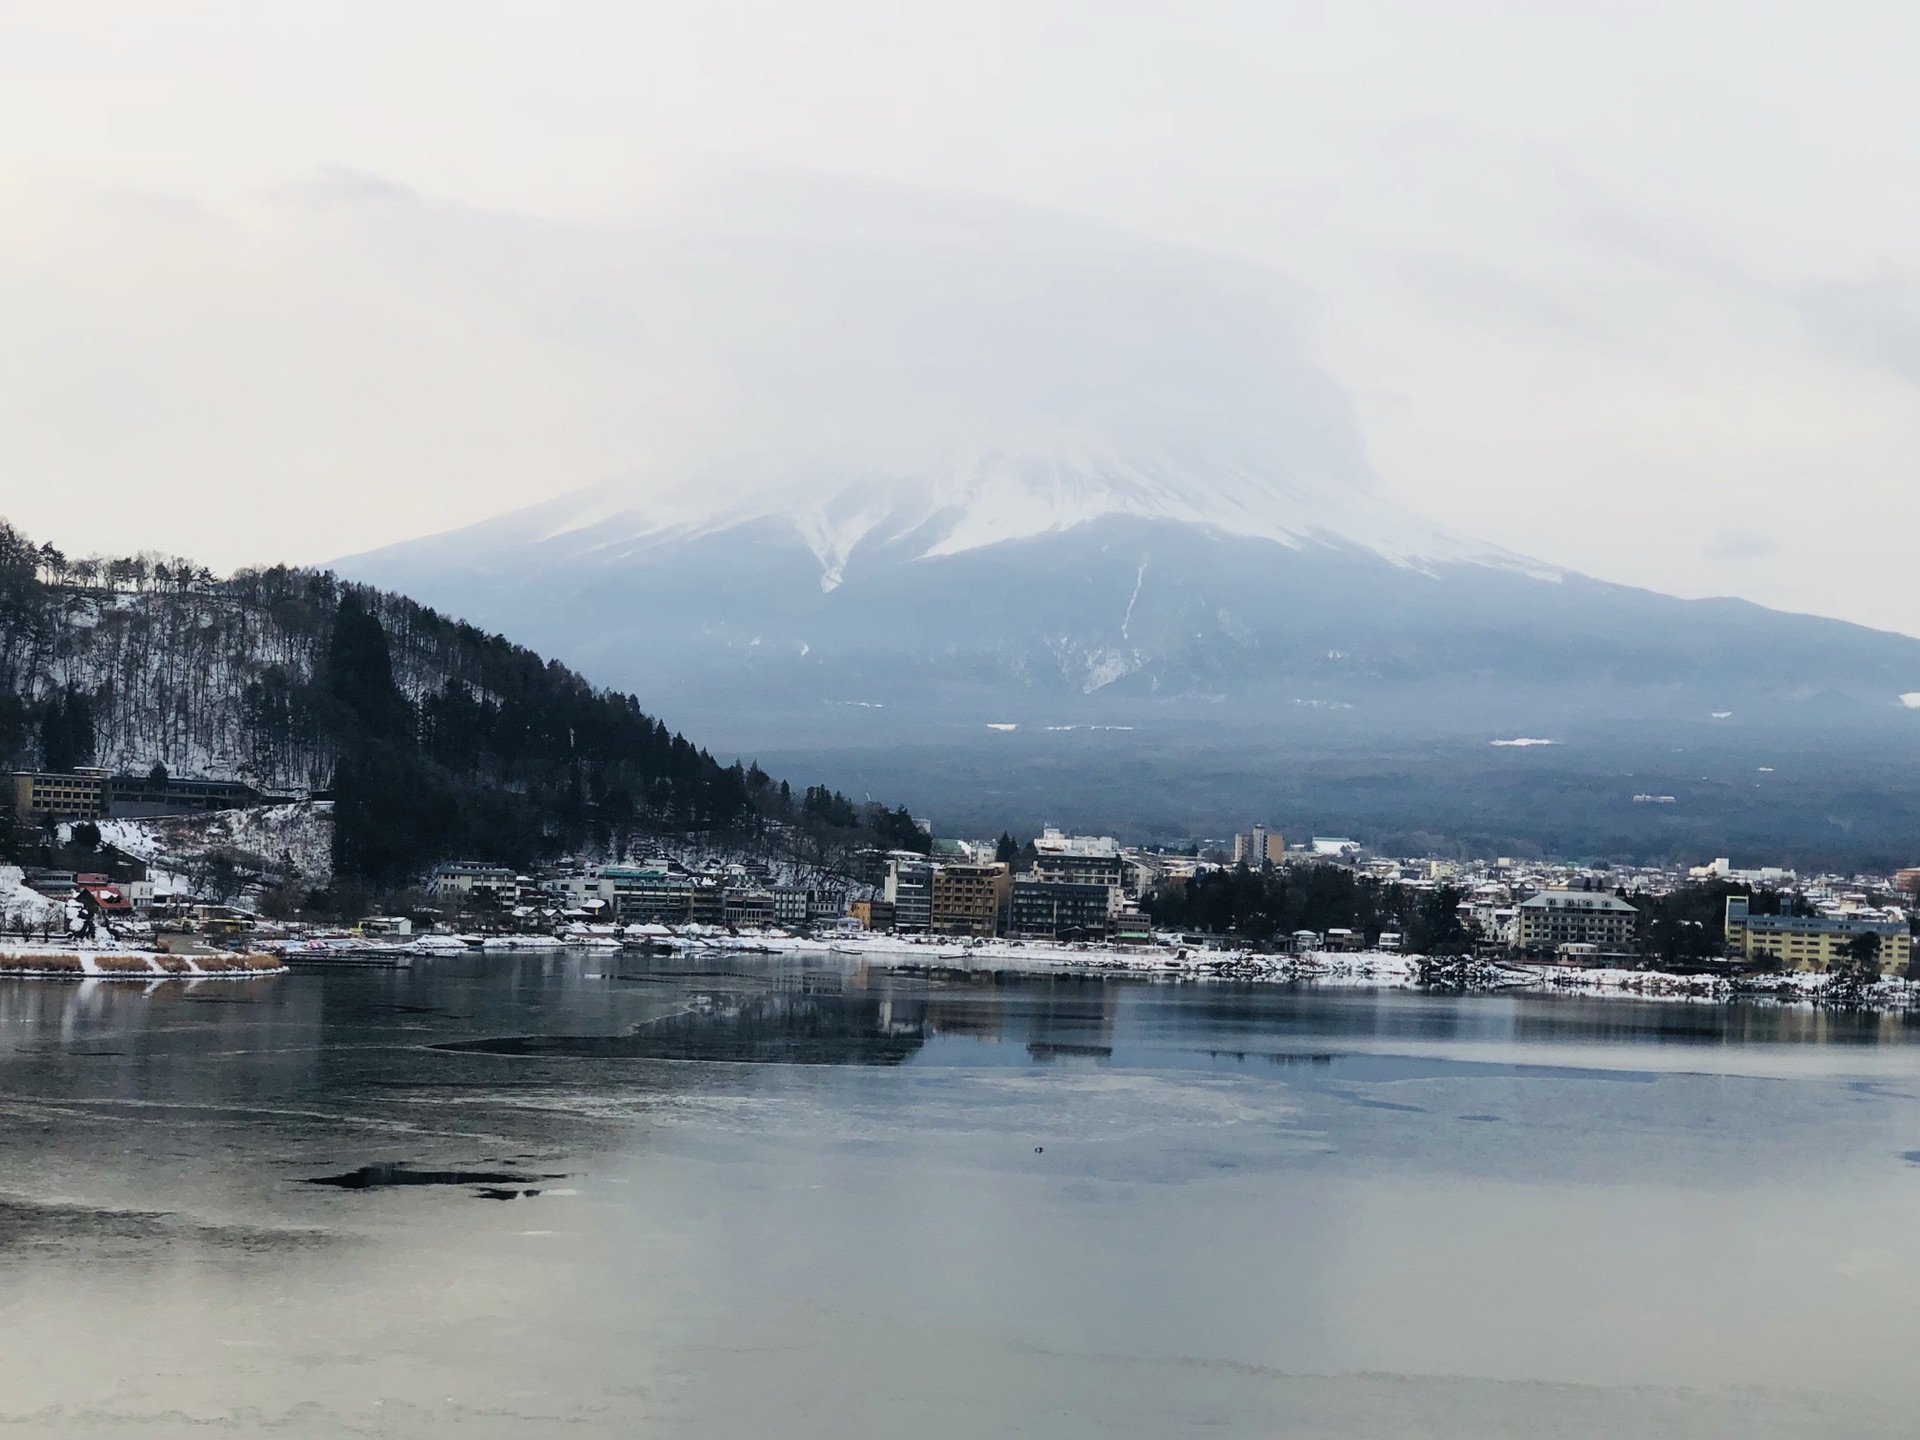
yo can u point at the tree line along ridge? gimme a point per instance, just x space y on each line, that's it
433 738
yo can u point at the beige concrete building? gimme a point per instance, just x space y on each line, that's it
1259 846
40 795
1575 917
970 899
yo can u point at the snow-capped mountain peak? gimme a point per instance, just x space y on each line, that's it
953 506
946 374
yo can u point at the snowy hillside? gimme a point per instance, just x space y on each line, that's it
433 738
183 669
22 910
267 843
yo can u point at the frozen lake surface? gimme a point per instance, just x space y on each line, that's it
605 1195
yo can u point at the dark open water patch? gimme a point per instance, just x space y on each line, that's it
1044 1050
380 1177
1912 1157
762 1050
753 1030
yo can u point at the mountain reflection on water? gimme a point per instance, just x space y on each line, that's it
879 1016
874 1017
623 1194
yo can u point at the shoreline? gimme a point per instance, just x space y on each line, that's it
50 962
1375 969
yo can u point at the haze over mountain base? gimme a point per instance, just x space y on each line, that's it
1164 680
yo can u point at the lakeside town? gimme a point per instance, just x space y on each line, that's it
138 864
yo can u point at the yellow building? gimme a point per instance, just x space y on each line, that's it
872 914
1810 942
969 899
40 795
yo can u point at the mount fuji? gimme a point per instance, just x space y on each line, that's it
1024 519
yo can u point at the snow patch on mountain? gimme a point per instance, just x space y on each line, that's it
873 368
985 500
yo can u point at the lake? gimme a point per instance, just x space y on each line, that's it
616 1195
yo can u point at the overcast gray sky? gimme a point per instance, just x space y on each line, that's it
1633 288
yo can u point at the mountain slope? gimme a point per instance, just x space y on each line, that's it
1275 667
433 738
918 466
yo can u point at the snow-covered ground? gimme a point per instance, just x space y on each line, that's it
24 911
37 939
95 962
265 840
1372 969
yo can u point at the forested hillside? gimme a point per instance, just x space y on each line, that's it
434 738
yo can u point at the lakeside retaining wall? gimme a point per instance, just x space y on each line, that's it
51 962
